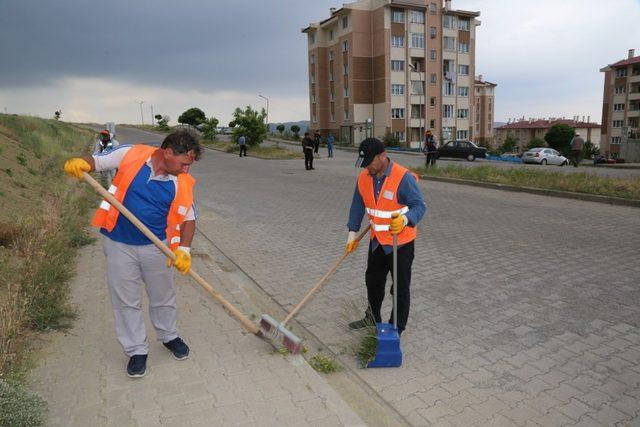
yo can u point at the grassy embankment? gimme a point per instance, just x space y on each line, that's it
260 152
578 182
43 218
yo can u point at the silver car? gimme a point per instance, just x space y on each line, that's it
544 156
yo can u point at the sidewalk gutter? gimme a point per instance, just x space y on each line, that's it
539 191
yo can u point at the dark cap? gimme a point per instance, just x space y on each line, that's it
369 148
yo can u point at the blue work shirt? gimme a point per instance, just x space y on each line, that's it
409 194
330 140
242 140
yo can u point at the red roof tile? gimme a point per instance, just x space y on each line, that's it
624 62
542 124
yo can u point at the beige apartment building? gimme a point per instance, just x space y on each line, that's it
484 111
525 130
621 109
393 66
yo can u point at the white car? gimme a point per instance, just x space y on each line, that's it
544 156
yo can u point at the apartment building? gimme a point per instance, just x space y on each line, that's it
621 109
393 66
484 111
524 130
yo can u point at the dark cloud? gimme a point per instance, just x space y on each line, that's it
198 44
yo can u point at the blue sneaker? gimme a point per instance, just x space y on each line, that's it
179 350
137 366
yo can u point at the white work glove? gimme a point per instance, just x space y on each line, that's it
352 243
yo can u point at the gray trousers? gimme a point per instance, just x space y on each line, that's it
128 266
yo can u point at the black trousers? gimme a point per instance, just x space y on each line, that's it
431 159
308 159
243 149
379 265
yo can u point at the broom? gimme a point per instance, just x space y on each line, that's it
277 331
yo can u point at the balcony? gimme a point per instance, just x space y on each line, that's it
417 76
634 95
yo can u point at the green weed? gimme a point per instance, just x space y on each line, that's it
8 171
324 364
21 159
20 407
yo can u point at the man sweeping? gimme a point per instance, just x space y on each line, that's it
154 184
383 190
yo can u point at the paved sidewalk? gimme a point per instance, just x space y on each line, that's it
230 378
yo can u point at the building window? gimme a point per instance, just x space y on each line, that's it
432 101
449 43
332 96
448 89
399 136
313 79
463 24
397 65
330 75
346 92
463 70
345 69
433 79
433 55
315 118
621 72
449 21
463 113
433 32
618 123
312 38
417 40
417 17
463 91
447 111
397 41
345 22
346 114
330 34
433 8
313 98
345 46
397 113
332 116
463 47
619 90
618 107
616 140
417 88
397 89
462 134
331 55
397 16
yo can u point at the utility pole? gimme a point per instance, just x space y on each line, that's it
152 116
141 115
267 99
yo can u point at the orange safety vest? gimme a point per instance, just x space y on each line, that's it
106 216
380 212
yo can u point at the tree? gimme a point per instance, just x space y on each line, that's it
210 129
559 138
509 144
390 140
250 123
280 128
193 116
296 130
57 114
163 122
589 150
535 143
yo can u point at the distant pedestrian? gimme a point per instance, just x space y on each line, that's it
308 146
330 141
105 143
242 141
316 142
430 149
577 143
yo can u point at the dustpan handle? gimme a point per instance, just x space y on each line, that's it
395 281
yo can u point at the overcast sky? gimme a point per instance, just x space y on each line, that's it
95 59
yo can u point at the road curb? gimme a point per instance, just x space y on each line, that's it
539 191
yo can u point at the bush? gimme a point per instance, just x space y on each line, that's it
21 159
535 143
559 138
210 129
20 407
296 132
390 140
250 124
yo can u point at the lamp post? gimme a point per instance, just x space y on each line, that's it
266 99
421 111
141 115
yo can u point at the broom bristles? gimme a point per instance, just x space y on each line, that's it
279 335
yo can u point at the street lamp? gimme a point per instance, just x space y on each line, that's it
141 115
266 99
420 109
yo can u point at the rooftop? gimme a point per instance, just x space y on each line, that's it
544 123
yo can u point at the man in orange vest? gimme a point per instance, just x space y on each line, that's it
155 185
389 194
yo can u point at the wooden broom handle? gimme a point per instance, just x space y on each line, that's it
248 324
322 281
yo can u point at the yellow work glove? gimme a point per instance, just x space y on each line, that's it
397 223
182 261
76 166
352 243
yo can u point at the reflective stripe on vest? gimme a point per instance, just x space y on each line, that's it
106 215
380 211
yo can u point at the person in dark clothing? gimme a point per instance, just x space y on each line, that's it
430 149
316 142
308 146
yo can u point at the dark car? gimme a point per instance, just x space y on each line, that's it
462 150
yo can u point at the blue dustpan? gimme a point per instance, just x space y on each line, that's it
389 354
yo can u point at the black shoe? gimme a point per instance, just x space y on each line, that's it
360 324
137 366
178 348
312 169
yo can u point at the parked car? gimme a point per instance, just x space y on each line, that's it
544 156
462 150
